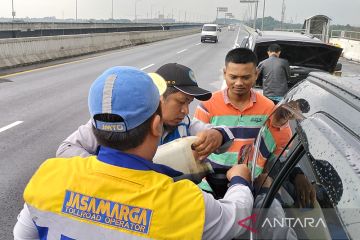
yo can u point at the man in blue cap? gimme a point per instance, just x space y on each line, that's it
121 193
181 90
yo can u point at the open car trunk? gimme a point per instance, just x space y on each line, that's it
303 57
304 54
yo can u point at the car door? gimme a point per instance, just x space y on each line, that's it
325 155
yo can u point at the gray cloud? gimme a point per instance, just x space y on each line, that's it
342 12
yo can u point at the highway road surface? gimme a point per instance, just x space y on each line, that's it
41 107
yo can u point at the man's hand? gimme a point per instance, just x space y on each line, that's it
305 192
208 141
240 170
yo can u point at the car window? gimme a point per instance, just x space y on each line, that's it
339 149
209 28
329 163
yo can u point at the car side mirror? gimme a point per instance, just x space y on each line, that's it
337 71
338 67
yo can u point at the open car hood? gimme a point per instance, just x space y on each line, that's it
304 54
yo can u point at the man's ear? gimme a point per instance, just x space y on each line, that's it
256 76
224 71
257 72
156 126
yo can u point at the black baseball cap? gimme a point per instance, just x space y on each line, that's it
183 79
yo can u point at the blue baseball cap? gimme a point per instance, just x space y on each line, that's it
127 92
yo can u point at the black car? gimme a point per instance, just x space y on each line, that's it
305 53
323 112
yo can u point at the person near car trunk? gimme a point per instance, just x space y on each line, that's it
181 89
121 193
274 73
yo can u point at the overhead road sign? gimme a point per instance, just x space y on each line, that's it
222 9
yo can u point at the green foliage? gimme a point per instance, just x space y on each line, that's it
271 24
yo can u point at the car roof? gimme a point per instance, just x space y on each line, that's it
348 84
267 36
209 24
338 97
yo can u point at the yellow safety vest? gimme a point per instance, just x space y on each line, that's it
84 198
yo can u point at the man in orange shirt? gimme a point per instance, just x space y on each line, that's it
244 111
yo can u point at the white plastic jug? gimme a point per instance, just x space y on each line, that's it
178 155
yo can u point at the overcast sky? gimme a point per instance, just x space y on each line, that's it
341 12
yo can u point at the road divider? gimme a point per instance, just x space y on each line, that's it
351 48
25 51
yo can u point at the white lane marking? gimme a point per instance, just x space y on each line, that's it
181 51
236 45
197 44
10 126
150 65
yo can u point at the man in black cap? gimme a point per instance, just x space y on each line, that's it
181 89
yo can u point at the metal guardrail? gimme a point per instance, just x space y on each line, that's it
248 29
20 33
298 30
351 35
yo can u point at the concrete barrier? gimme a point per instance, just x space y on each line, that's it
351 48
23 51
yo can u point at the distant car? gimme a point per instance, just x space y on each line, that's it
305 53
231 27
209 32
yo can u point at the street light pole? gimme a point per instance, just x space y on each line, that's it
135 11
256 9
12 12
13 17
112 9
136 1
76 10
262 21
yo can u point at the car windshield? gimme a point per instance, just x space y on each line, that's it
209 28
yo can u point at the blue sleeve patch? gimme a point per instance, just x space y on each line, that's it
107 212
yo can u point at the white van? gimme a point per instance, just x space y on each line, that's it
209 32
